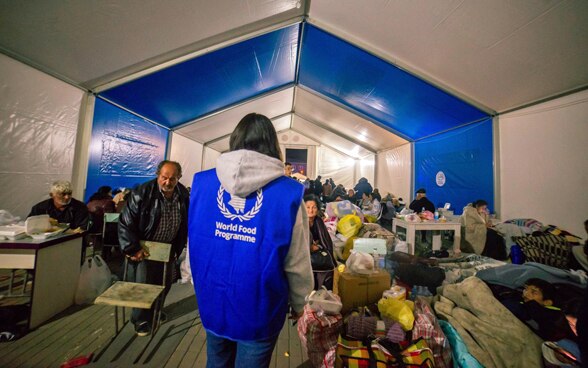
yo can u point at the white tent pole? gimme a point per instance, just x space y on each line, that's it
81 160
376 184
496 166
412 172
170 141
202 161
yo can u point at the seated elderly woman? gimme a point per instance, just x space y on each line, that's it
321 246
370 206
480 237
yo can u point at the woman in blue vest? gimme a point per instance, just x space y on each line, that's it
249 250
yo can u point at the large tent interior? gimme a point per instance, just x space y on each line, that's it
491 93
468 99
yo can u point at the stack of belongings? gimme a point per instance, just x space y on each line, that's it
381 327
319 327
345 223
393 333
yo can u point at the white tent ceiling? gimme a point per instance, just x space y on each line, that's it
221 144
304 112
92 42
224 122
332 117
496 54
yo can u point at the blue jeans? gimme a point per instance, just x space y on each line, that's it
223 353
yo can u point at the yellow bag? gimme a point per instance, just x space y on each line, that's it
399 311
348 246
349 225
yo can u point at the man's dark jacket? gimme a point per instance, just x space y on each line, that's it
418 204
140 217
75 213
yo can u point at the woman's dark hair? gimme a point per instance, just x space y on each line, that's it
256 132
480 203
314 198
102 193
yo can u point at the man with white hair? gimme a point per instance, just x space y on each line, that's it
63 207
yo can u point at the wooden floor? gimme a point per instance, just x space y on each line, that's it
180 342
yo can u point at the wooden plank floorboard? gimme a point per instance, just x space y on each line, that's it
43 337
126 347
295 347
178 355
180 342
69 344
90 339
199 348
282 347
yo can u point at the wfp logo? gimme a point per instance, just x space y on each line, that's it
238 205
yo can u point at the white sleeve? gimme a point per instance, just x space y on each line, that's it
297 264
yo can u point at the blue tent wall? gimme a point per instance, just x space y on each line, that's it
465 156
124 149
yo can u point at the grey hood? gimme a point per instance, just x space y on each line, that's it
243 172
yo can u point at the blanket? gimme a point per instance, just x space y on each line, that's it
514 276
458 269
492 334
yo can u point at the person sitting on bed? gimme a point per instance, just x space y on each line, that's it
479 235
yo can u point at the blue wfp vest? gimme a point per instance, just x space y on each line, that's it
237 254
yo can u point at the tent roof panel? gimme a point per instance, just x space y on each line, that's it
378 89
86 40
223 123
221 144
500 53
329 138
213 81
333 117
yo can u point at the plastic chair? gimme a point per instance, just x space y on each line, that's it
137 295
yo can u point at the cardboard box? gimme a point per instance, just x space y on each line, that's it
361 290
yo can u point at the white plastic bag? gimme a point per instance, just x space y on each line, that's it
6 218
359 262
185 271
95 278
401 246
325 301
